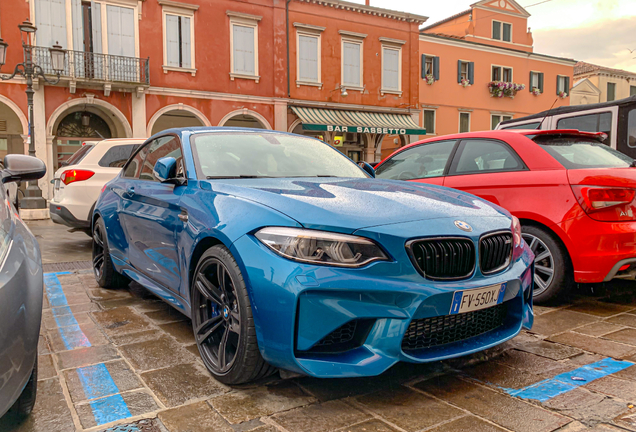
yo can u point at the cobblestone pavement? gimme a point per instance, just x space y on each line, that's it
121 360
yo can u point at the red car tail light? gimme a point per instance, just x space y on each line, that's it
74 175
607 204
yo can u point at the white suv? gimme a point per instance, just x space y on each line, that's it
78 184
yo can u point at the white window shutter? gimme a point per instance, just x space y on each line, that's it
78 26
172 40
121 31
391 69
308 58
244 50
50 19
96 18
186 44
351 64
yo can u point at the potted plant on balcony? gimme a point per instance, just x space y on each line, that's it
536 91
430 79
464 82
563 94
500 89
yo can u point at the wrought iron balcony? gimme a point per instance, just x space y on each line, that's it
81 65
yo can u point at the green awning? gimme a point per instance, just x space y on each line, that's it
320 119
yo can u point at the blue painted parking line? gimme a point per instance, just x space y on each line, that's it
565 382
108 405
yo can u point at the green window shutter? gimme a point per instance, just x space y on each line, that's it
423 66
541 82
471 72
436 68
459 71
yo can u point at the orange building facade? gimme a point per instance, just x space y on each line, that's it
490 42
350 73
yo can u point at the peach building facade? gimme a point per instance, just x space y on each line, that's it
461 56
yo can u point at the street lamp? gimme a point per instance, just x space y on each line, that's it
29 71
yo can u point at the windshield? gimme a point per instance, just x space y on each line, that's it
80 154
249 155
581 153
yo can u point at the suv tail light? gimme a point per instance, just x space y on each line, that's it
75 175
607 204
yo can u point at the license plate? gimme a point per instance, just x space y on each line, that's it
476 299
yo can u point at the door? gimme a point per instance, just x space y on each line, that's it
151 215
424 163
492 170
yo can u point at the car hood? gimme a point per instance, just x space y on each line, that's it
346 204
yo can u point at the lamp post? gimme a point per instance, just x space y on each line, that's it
29 70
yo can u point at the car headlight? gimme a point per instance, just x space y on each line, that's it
516 232
320 247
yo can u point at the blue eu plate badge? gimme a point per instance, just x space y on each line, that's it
478 298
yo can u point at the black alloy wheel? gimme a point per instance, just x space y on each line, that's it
218 321
105 273
222 320
98 252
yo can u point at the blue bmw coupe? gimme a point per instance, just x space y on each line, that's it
285 253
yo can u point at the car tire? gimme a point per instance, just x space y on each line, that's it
105 273
23 406
222 320
552 266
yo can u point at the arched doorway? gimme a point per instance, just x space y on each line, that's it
12 127
245 118
84 119
177 117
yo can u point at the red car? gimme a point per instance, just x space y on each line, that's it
573 194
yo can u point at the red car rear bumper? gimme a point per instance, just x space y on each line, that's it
599 249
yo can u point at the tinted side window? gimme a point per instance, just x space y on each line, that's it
523 126
79 154
598 122
479 156
162 147
117 156
133 169
631 128
423 161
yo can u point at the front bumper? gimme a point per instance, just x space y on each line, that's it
61 215
296 306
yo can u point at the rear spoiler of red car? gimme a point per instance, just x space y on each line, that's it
596 135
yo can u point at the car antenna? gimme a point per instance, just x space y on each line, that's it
548 113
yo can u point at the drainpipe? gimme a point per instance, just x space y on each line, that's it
287 33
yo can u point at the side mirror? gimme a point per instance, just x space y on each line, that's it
22 168
165 170
367 168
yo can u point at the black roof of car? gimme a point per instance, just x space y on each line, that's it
573 108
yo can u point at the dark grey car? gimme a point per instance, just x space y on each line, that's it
21 290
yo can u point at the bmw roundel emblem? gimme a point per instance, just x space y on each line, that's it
463 226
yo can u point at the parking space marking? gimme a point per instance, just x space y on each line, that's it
563 383
96 381
72 336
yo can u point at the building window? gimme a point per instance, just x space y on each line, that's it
244 45
391 69
352 63
632 90
465 71
495 119
502 31
536 81
179 46
500 73
51 23
429 121
430 66
563 84
464 122
308 58
611 91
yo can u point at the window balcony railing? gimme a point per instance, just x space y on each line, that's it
83 65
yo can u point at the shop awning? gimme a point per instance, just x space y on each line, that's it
321 119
